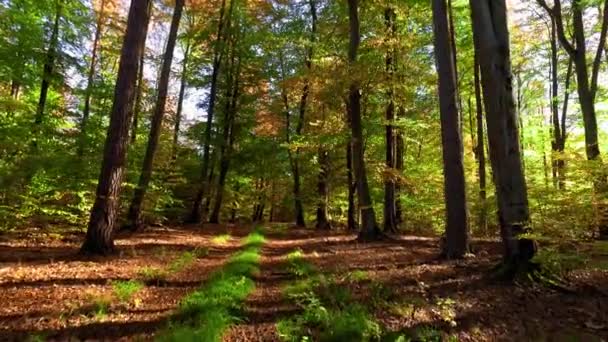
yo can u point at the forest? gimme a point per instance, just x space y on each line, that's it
303 170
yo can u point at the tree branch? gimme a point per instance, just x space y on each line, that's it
556 13
600 49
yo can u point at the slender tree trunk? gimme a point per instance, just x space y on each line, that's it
134 216
399 165
561 144
457 237
352 188
48 70
87 99
491 36
369 227
480 149
556 129
323 190
100 232
196 215
232 96
390 215
180 102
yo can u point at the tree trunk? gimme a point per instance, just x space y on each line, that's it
480 149
136 108
48 69
99 238
491 36
586 93
180 102
196 215
134 220
369 227
323 190
352 188
87 99
399 165
228 133
457 239
390 215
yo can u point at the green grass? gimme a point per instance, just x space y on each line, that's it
329 312
221 239
125 290
152 274
205 314
181 262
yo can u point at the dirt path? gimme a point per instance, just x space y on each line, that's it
49 291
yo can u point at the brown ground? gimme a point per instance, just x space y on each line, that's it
46 289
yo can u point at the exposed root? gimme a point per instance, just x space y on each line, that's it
528 271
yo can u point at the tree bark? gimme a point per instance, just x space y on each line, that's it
134 219
352 188
457 237
87 99
180 102
196 215
390 215
48 70
399 165
137 106
491 36
369 227
99 238
480 149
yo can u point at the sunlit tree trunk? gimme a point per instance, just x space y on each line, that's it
491 34
457 237
100 232
369 227
180 102
134 221
136 108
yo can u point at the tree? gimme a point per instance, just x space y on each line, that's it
104 213
457 244
90 77
218 53
138 102
49 63
491 36
369 227
134 216
587 89
390 210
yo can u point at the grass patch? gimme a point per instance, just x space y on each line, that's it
152 275
125 290
205 314
329 312
183 261
221 239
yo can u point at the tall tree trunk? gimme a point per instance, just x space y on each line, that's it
491 36
48 69
399 165
228 134
136 108
457 237
480 149
556 129
180 101
196 215
369 227
390 215
323 190
100 232
134 221
561 144
87 99
586 88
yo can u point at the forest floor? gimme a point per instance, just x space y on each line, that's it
391 288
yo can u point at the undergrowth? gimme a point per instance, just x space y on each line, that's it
205 314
